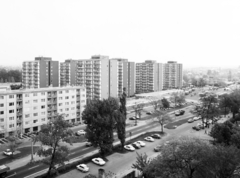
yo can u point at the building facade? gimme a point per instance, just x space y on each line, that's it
40 73
173 75
23 111
68 73
149 76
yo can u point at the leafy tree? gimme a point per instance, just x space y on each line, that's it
165 103
51 135
13 144
100 118
1 81
138 110
235 139
181 98
177 98
142 162
225 103
174 98
235 98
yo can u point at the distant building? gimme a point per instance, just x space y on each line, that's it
23 111
68 72
172 75
40 73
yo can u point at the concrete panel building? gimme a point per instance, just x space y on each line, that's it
68 72
40 73
23 111
172 74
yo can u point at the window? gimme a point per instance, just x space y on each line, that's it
42 107
1 97
67 97
11 125
35 94
43 119
67 115
26 95
11 118
11 96
35 114
72 108
73 114
82 101
61 110
43 94
83 95
43 113
66 91
72 102
35 121
1 105
67 103
73 96
11 104
60 98
1 120
2 127
11 111
35 107
27 122
35 101
60 92
60 104
42 100
67 109
27 102
27 115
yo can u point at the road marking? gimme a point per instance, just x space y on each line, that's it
72 153
12 175
37 173
33 167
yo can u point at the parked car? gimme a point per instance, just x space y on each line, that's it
80 132
83 167
156 136
88 144
196 118
136 145
177 113
132 118
157 148
181 112
99 161
129 147
149 113
141 143
8 152
190 120
149 139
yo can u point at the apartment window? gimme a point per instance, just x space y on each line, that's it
67 103
1 97
43 113
82 101
1 105
83 95
11 111
60 98
1 120
35 101
67 109
72 102
27 102
11 104
34 94
72 108
66 97
60 104
11 125
43 119
73 97
35 107
35 114
35 121
43 107
60 92
67 115
73 114
27 122
42 100
11 96
61 110
66 91
27 115
43 94
11 118
26 95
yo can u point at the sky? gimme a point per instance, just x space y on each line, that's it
203 33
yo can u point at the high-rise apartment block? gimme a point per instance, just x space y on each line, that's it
68 72
149 76
26 110
172 74
40 73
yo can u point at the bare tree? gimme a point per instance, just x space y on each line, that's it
138 110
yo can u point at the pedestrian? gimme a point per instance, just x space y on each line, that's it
205 131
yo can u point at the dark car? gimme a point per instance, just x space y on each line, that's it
156 136
182 112
132 118
136 145
157 148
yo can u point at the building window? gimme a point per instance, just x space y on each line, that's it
1 120
43 113
73 97
11 111
61 110
43 94
35 114
67 115
1 97
67 103
1 105
35 101
66 91
82 101
11 104
11 96
83 95
43 119
66 97
73 114
27 115
67 109
35 121
60 104
34 94
72 108
27 102
11 125
26 95
43 106
60 98
1 112
27 122
35 107
42 100
60 92
73 102
11 118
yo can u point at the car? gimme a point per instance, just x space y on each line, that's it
181 112
177 113
88 144
83 167
136 145
98 161
156 136
80 132
149 139
149 113
132 118
157 148
196 118
8 152
141 143
129 147
166 143
190 120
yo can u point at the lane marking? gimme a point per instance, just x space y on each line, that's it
33 167
12 175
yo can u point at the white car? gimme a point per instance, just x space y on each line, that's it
129 147
81 132
98 161
8 152
196 118
141 143
83 167
149 139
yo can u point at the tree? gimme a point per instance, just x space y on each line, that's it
177 98
142 162
14 143
174 98
225 103
121 119
100 118
165 103
235 98
51 135
138 110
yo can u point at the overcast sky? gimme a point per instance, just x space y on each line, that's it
195 33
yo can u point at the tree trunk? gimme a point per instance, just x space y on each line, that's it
52 159
162 127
